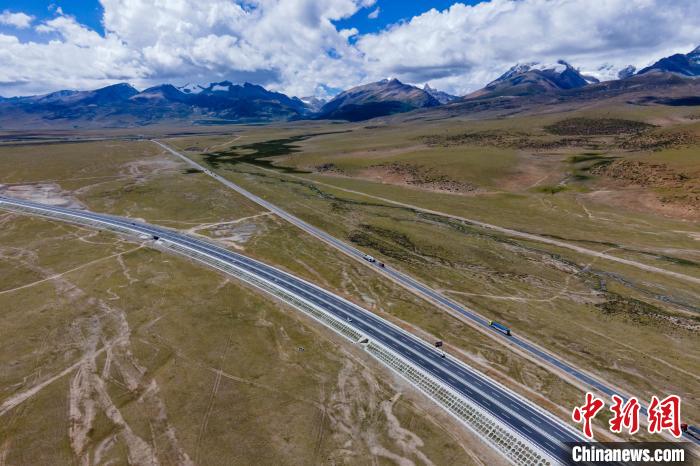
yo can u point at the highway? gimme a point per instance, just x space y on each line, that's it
412 284
535 351
531 422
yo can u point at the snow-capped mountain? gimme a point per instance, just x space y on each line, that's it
314 103
123 105
535 78
626 72
190 88
120 105
440 96
683 64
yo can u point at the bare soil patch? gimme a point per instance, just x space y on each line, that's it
573 133
45 193
419 176
642 200
329 168
502 139
655 141
646 174
676 192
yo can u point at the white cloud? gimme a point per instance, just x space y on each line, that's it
464 47
76 57
293 45
287 45
375 13
19 20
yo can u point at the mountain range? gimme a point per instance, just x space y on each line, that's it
121 105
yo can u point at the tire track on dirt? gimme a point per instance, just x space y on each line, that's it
210 403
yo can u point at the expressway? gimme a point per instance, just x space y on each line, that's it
532 423
412 284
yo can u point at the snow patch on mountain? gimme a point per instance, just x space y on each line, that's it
190 88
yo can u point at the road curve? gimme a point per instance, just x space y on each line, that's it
412 284
532 423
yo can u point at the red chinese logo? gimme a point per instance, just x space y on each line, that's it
625 414
665 415
662 415
587 412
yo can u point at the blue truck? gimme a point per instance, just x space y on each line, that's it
500 327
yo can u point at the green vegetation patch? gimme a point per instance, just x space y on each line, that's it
391 243
596 126
257 153
585 157
549 189
645 313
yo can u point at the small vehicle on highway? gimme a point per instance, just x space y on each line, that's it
369 258
438 344
349 319
156 238
380 264
500 327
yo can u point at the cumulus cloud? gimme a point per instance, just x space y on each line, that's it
464 47
288 45
19 20
294 46
75 57
375 13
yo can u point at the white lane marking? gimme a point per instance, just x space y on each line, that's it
206 250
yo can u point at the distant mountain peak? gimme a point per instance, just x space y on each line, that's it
390 81
626 72
535 78
314 103
559 67
442 97
375 99
683 64
190 88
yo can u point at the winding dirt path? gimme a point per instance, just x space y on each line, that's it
510 232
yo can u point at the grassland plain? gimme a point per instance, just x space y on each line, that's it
165 192
631 327
172 195
135 355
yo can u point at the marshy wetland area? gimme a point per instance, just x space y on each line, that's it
132 353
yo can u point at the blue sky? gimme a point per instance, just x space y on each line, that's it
391 12
89 12
305 47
